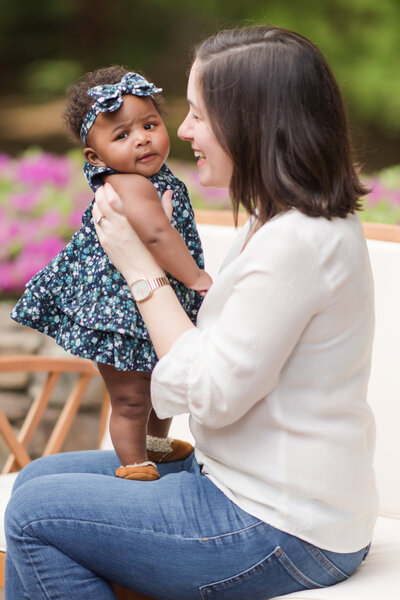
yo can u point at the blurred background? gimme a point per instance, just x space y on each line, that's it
46 45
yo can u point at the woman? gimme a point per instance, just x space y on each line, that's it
280 494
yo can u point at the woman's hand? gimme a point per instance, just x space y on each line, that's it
119 240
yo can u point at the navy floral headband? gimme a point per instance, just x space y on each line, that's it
108 98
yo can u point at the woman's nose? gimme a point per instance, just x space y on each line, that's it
184 130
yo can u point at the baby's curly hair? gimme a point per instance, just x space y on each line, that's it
78 101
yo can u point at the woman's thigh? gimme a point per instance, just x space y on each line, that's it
175 538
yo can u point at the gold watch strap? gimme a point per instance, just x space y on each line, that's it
157 282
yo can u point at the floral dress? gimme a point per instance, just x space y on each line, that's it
83 302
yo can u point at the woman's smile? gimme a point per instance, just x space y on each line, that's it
214 164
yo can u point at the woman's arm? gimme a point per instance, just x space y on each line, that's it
218 373
146 215
163 314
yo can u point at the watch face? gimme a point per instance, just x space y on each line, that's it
141 290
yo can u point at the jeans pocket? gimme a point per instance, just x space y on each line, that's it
335 567
275 575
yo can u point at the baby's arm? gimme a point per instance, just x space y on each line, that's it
146 215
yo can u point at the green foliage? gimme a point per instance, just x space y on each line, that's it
51 77
362 44
55 40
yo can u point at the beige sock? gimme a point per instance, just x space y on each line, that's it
158 444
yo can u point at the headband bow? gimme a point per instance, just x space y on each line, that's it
108 98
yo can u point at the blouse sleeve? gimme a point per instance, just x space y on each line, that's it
219 372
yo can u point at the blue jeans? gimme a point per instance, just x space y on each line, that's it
72 527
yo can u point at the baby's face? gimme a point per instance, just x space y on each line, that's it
133 139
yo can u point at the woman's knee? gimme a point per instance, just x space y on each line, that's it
27 494
11 521
49 465
36 468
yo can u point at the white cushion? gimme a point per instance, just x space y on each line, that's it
216 241
384 384
6 483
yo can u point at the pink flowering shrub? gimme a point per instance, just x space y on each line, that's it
43 197
382 205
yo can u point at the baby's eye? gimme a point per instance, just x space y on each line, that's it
122 136
149 126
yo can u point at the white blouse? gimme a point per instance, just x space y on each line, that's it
275 378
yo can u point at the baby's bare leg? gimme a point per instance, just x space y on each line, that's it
158 427
130 401
161 448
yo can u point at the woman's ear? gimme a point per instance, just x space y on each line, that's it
92 157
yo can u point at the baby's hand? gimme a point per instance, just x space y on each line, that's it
202 283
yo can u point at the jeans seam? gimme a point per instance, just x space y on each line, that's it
261 565
294 571
367 549
28 554
230 533
326 563
145 531
278 555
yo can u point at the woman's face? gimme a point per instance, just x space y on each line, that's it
214 164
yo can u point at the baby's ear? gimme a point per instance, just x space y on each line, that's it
92 157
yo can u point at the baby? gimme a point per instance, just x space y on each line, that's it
81 300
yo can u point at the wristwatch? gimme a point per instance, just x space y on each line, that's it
143 289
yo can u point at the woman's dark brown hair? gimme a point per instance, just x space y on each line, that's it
276 109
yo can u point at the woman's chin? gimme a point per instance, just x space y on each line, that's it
206 180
